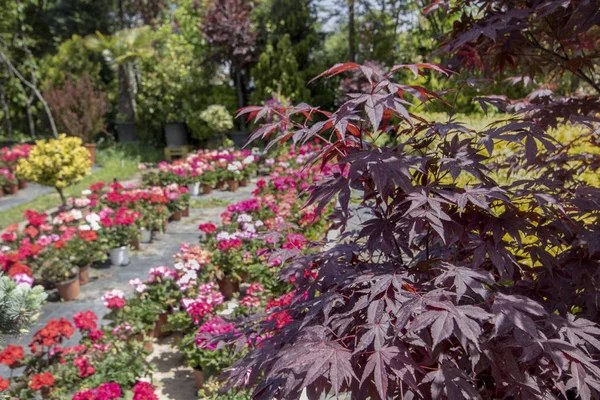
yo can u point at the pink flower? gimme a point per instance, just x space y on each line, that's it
210 329
114 299
255 288
144 391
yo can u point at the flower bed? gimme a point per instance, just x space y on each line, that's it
9 158
232 273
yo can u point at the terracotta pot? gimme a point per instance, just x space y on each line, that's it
228 287
135 244
244 182
92 149
185 212
1 193
158 328
176 215
46 392
147 339
84 275
23 184
232 185
69 289
245 276
220 185
199 378
165 225
13 189
207 189
177 338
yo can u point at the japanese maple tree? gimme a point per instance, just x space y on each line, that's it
445 283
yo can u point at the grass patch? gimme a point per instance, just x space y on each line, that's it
212 203
115 163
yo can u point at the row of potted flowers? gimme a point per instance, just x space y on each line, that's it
9 158
106 221
231 273
206 170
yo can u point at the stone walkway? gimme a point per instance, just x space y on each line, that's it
175 382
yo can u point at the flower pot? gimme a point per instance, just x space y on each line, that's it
147 339
244 182
69 290
91 147
185 212
158 327
1 193
232 185
135 244
126 132
177 338
176 134
206 189
23 184
176 216
12 189
228 287
146 236
220 185
119 256
199 378
84 275
194 189
165 225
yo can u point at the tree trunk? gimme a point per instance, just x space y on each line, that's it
30 120
351 33
35 90
62 196
6 111
239 84
125 101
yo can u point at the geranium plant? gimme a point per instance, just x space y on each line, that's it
58 163
119 227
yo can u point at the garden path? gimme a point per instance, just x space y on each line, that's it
174 382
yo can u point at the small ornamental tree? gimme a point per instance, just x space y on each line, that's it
79 110
20 305
452 286
58 163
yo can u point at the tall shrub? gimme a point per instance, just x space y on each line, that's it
450 285
78 108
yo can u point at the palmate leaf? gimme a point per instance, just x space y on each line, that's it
450 381
478 281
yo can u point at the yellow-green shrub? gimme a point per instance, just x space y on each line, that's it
59 163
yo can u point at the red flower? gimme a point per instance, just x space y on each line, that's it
35 218
11 354
84 366
60 244
53 333
88 236
95 335
19 268
41 380
207 228
97 186
4 384
144 391
85 320
31 231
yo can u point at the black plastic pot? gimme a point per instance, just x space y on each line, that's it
176 134
126 132
239 138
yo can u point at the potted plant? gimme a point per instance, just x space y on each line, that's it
119 230
138 315
52 265
59 163
193 185
208 180
84 250
218 119
233 175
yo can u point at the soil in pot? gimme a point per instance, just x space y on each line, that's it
84 275
23 184
69 290
232 185
228 287
206 189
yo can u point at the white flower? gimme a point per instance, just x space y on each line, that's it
85 227
76 214
248 160
244 218
223 235
86 192
269 162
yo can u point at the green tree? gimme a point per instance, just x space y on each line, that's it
277 71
